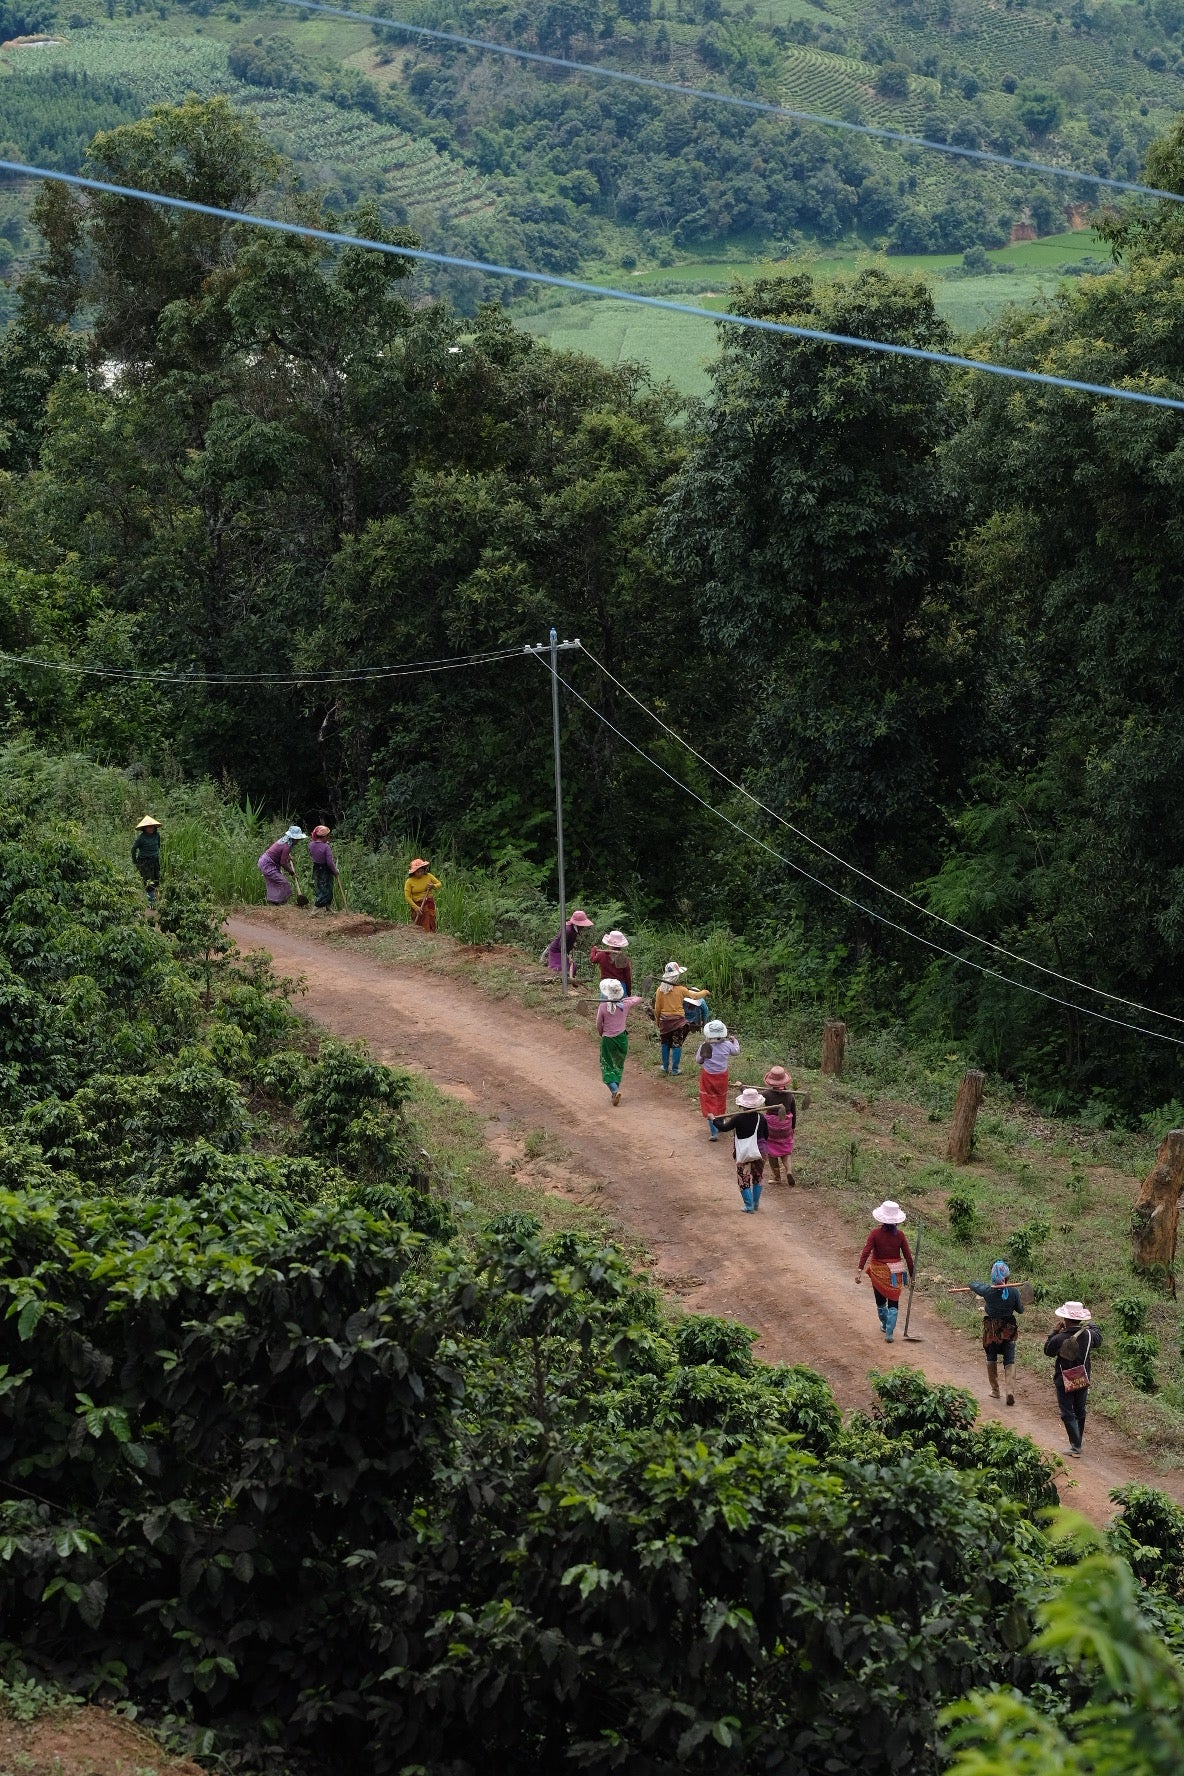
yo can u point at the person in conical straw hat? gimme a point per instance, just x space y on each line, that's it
889 1263
781 1114
572 931
713 1055
749 1128
612 1016
670 1015
1072 1343
275 866
146 854
419 891
611 956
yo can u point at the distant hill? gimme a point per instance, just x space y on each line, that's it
493 159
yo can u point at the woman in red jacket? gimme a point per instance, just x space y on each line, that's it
889 1262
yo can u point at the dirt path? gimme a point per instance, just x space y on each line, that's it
788 1272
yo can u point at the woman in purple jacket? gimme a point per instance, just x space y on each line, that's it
275 866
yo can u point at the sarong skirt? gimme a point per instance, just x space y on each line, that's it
613 1050
713 1093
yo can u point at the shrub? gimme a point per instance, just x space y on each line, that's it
1130 1311
701 1338
963 1214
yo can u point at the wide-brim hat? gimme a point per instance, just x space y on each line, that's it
615 940
750 1099
890 1214
147 821
416 864
716 1030
673 971
293 833
612 989
580 918
778 1078
1073 1310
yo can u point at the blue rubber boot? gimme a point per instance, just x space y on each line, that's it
756 1196
890 1313
665 1057
675 1058
883 1313
712 1131
746 1194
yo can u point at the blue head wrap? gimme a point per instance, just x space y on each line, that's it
1000 1272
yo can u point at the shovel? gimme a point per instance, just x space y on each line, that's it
911 1337
301 896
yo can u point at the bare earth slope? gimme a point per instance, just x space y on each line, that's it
788 1272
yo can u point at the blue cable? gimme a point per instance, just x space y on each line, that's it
490 47
334 238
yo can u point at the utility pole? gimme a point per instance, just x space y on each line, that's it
555 647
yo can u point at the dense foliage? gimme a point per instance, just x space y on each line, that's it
928 619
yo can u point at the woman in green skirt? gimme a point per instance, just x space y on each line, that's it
612 1015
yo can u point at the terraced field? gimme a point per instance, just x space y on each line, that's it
834 85
334 145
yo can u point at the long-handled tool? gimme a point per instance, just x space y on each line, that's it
911 1337
301 896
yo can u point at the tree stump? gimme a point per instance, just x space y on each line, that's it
970 1096
1155 1219
834 1046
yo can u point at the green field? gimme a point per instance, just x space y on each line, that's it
678 348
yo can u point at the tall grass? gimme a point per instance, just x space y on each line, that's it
770 993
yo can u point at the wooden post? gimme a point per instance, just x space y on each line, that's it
970 1096
834 1045
1155 1219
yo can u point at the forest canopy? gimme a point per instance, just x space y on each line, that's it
926 617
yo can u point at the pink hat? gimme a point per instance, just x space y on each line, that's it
416 864
580 918
1073 1310
778 1078
615 940
750 1099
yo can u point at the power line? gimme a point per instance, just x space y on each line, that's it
845 863
766 107
259 680
849 900
334 237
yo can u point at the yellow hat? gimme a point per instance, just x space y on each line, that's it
147 821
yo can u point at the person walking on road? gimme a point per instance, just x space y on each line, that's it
781 1114
612 1016
749 1128
324 867
1001 1303
419 891
275 866
889 1263
670 1015
713 1055
146 855
553 956
609 956
1071 1344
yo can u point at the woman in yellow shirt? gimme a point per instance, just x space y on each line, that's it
419 891
670 1015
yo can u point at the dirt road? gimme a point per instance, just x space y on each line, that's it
789 1271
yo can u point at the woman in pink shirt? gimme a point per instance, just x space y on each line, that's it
612 1015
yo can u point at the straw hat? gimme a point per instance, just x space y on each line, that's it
580 919
750 1099
293 833
890 1214
716 1030
672 972
778 1078
320 832
147 821
612 990
417 864
1073 1310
